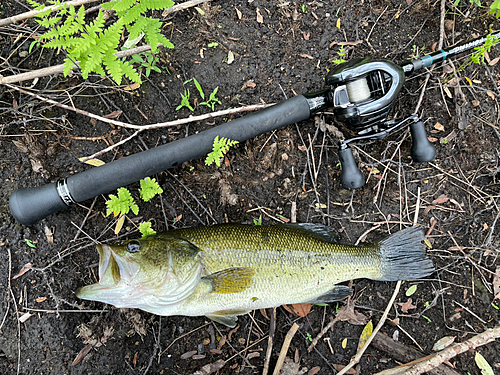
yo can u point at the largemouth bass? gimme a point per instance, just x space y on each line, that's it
226 270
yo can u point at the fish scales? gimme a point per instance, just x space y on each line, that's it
225 270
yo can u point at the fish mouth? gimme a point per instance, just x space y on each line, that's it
114 272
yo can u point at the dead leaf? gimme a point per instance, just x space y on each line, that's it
406 306
367 332
253 355
114 114
314 370
238 13
189 354
40 299
25 317
119 224
260 19
348 314
306 36
490 94
441 199
439 127
496 283
49 234
210 368
92 162
475 103
351 371
346 43
432 139
443 343
25 269
408 2
134 361
81 355
306 56
494 61
302 148
301 309
132 87
448 92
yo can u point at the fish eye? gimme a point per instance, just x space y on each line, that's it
133 246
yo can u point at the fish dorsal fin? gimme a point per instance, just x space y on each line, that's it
339 292
226 317
322 231
230 280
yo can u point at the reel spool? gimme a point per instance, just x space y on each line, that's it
362 93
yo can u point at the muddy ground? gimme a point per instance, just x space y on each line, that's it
280 49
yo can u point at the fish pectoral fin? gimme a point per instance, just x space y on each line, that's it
338 293
231 280
226 317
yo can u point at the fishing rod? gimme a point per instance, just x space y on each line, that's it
361 92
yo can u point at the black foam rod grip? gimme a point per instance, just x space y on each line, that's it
33 204
350 177
422 150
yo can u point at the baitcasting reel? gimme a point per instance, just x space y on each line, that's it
362 94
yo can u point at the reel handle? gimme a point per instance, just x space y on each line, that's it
351 177
422 150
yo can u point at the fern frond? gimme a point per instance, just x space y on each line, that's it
114 67
120 6
137 28
95 27
131 73
49 22
68 66
131 15
157 4
152 33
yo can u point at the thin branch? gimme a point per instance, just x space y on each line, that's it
33 13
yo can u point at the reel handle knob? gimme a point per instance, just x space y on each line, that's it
422 150
351 177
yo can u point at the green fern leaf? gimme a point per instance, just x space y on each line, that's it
114 68
138 27
131 15
68 66
131 73
95 27
123 5
157 4
49 22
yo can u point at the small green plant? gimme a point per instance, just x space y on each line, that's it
479 56
473 2
146 230
213 45
29 243
258 221
149 62
416 52
309 337
495 8
185 101
94 44
220 148
212 100
121 204
149 188
341 53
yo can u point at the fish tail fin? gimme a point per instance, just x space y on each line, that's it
403 256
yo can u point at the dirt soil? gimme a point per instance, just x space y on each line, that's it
280 49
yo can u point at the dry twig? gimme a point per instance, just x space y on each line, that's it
284 348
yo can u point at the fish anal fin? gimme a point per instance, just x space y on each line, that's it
231 280
226 317
338 293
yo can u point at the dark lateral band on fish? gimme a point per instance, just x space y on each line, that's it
226 270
